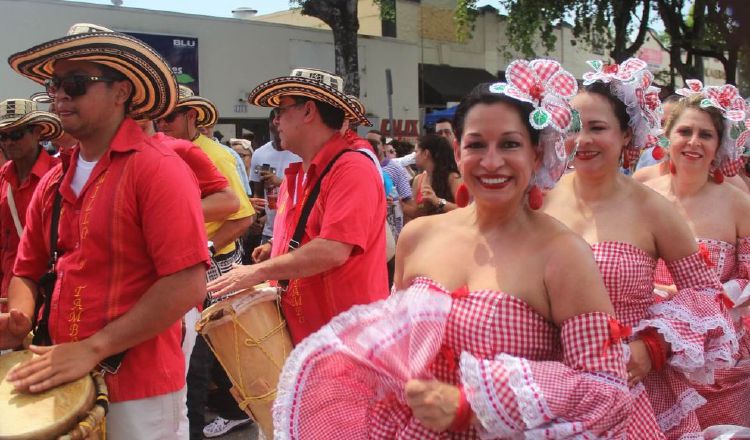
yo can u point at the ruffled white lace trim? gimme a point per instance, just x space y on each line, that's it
695 361
688 402
482 396
423 304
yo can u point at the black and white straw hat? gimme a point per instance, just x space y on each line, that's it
312 83
17 113
155 87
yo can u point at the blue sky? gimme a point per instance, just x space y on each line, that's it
216 8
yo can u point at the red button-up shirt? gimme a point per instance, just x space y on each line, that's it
210 180
22 192
137 219
350 209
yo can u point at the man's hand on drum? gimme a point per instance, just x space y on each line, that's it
53 366
240 277
433 403
14 327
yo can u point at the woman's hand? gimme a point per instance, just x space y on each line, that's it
639 364
428 196
433 403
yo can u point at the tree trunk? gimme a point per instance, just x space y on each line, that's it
341 17
347 57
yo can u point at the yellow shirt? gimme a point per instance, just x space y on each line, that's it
227 166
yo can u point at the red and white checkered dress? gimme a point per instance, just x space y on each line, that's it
693 322
523 375
728 396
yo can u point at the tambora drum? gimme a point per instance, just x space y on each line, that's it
74 410
248 334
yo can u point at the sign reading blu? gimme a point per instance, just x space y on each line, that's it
180 52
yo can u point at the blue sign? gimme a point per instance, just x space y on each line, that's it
180 52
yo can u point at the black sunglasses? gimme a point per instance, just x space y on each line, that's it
172 116
15 135
74 85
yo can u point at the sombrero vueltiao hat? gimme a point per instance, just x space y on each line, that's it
315 84
207 112
17 113
41 98
154 84
362 110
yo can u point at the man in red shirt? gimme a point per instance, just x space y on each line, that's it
22 128
340 260
131 248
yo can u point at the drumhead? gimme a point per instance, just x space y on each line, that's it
217 313
44 415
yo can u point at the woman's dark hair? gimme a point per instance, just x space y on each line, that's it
621 112
445 164
481 94
402 147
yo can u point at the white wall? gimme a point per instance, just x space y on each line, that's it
234 55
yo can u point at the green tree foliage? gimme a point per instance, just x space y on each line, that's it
711 28
603 24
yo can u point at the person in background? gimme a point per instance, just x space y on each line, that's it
22 129
340 261
190 113
435 187
267 173
444 128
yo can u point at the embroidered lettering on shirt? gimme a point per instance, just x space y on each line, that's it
74 317
89 206
75 314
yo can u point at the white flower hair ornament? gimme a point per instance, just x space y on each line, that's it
548 88
632 84
731 155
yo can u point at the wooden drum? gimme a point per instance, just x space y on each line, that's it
248 334
74 410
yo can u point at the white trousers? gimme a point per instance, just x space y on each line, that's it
154 418
188 343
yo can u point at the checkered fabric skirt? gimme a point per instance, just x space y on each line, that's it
727 397
693 321
523 375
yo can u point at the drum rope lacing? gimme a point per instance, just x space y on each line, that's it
252 342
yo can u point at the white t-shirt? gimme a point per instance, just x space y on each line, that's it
82 174
278 161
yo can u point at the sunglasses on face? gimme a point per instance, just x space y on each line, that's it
172 116
14 135
74 85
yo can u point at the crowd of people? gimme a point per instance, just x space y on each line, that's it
508 276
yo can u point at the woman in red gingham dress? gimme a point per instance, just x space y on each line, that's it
502 305
717 214
628 227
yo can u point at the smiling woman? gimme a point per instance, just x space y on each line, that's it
629 228
505 344
701 141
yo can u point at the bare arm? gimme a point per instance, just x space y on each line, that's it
574 283
230 231
15 325
219 205
163 304
673 237
317 256
409 207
